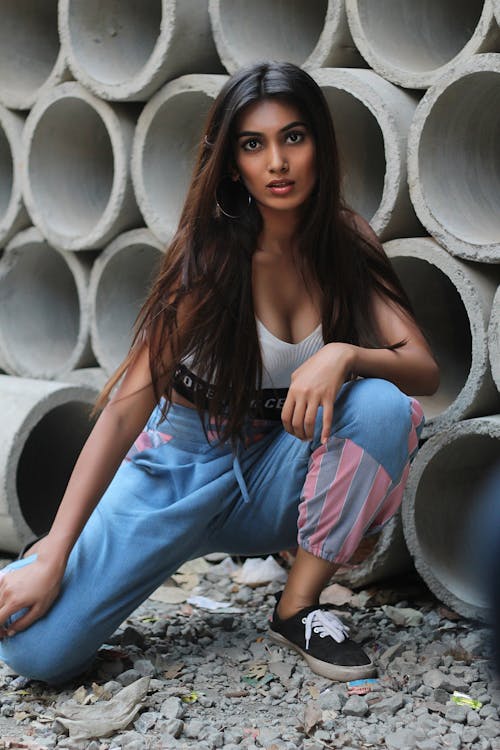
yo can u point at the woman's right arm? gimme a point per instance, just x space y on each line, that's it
36 586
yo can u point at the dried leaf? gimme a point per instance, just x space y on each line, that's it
336 594
169 595
403 616
313 715
174 670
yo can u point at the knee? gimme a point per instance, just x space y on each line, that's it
27 656
376 415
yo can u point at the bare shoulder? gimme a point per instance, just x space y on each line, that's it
361 226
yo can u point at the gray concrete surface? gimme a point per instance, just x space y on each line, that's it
312 35
453 157
44 426
30 55
446 477
125 50
166 140
13 214
494 339
453 301
371 118
119 281
76 176
413 43
44 309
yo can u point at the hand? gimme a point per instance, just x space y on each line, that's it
316 383
33 587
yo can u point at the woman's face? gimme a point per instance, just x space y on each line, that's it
275 155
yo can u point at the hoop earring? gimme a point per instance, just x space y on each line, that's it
229 197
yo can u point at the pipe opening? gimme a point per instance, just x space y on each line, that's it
29 46
443 317
443 508
169 152
281 30
459 158
71 179
418 37
47 460
40 322
361 149
112 40
6 174
121 290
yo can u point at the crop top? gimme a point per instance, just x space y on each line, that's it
279 360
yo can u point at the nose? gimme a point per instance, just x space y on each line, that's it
277 161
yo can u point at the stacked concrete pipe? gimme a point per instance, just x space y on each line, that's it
44 310
371 118
453 157
453 301
439 502
44 427
76 184
30 56
125 50
311 35
166 139
413 43
13 215
494 339
119 280
496 9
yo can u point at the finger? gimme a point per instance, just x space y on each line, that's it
310 419
287 413
298 417
327 421
34 613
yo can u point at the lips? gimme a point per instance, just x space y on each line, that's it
280 183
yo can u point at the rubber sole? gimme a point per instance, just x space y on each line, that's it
338 672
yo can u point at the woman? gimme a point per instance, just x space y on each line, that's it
272 358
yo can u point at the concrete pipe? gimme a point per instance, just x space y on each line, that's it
166 139
41 420
125 50
13 215
119 281
413 43
496 10
445 480
371 118
30 55
76 179
93 377
389 557
452 301
44 315
454 158
312 35
494 339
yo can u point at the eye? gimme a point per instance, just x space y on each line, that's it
295 136
252 144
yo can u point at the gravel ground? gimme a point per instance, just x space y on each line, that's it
197 678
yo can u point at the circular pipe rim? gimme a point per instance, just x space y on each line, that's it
94 237
454 244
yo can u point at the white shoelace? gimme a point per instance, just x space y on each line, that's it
324 623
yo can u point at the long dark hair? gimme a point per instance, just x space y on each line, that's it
201 302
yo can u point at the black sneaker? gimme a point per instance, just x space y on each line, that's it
322 639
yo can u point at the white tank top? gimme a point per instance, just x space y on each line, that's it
280 358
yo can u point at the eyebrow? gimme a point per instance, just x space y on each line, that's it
290 125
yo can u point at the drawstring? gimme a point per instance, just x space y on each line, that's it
239 475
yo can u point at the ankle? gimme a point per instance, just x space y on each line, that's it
288 606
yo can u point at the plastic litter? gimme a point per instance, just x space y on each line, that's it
256 572
462 699
361 687
104 718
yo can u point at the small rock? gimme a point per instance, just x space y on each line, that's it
172 708
193 728
388 705
128 677
174 727
473 719
456 713
356 705
146 721
401 739
144 667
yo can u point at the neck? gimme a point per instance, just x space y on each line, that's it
278 233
